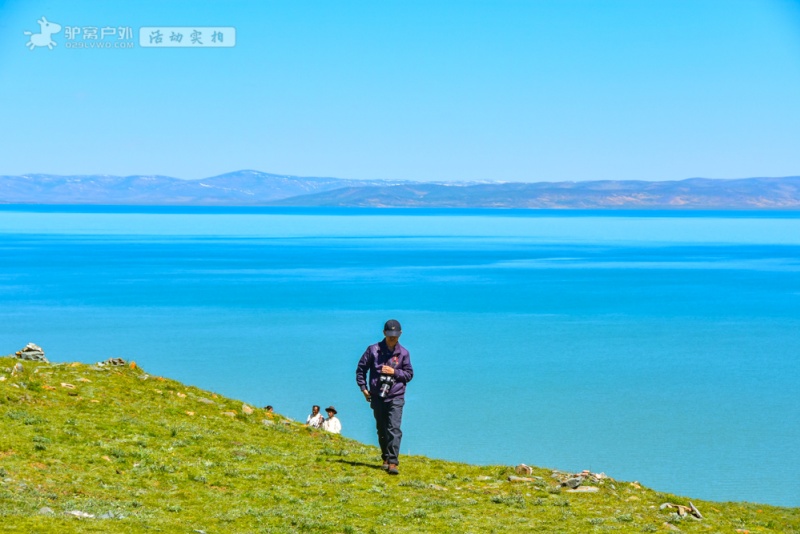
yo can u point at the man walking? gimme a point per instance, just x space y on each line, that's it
389 367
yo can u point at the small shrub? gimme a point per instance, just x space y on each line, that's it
517 501
674 518
413 484
418 513
330 451
377 489
161 468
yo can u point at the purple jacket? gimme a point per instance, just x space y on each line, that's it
372 361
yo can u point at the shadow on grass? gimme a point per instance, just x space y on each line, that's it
359 464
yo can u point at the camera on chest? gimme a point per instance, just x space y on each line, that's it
386 384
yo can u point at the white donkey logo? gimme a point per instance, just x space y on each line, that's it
43 38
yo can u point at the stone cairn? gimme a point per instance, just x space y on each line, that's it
32 352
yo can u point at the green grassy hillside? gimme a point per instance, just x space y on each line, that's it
143 453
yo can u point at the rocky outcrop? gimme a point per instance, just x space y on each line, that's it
32 352
574 480
112 362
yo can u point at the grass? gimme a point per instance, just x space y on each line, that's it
147 454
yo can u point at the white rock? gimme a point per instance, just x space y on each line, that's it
78 513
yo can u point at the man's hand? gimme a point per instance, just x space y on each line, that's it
387 370
366 395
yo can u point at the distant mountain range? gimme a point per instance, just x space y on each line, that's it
253 188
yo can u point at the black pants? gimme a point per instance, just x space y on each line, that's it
388 415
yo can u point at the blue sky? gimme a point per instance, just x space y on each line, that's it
472 90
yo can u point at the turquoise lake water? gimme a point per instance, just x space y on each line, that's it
651 346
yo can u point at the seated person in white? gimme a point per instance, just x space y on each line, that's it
332 424
315 419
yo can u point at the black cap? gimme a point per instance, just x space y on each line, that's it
331 409
392 328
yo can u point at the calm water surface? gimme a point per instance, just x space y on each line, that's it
655 347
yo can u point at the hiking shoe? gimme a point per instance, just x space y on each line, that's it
385 466
392 470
